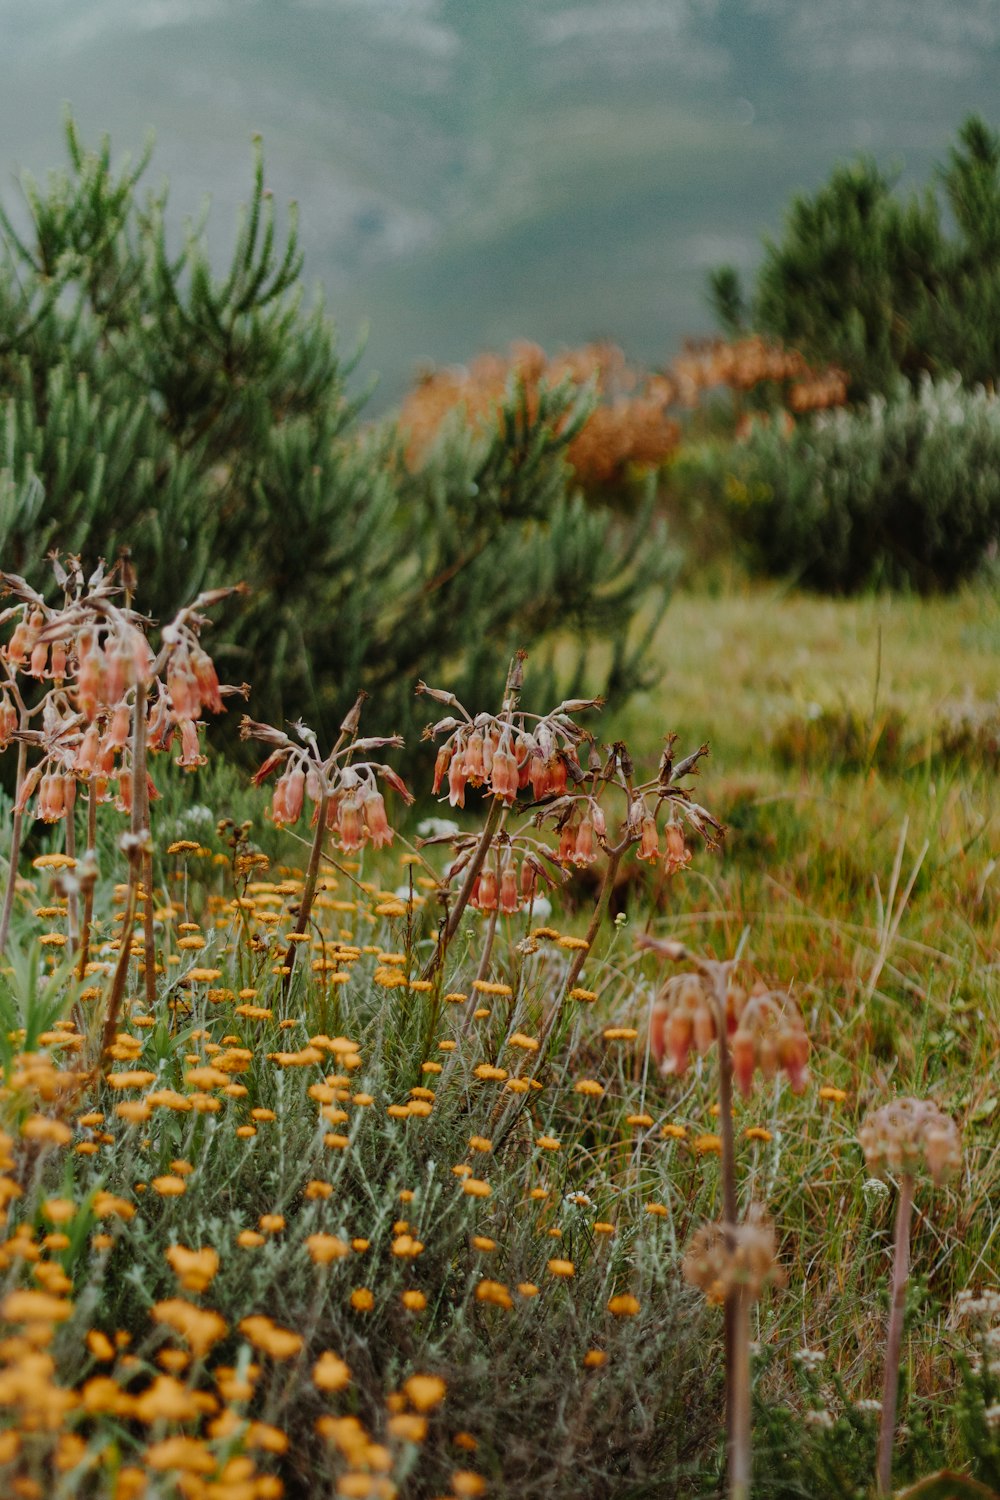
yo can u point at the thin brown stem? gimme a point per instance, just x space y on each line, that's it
117 991
15 847
473 869
894 1338
72 899
88 889
141 830
615 857
309 889
738 1397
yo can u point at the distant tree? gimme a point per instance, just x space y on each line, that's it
870 279
204 421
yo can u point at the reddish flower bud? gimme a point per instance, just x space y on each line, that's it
677 1041
744 1058
649 847
488 891
86 751
584 852
90 684
508 891
538 775
59 657
441 764
190 757
456 781
474 769
118 728
350 826
678 855
39 659
376 821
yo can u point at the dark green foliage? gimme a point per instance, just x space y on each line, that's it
205 423
872 280
902 492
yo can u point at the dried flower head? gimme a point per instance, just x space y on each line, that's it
908 1136
722 1258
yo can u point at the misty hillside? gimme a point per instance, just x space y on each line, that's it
470 171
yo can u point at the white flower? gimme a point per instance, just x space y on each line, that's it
873 1188
541 909
809 1359
821 1419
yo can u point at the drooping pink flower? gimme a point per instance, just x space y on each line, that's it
376 821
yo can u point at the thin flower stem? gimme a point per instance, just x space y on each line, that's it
88 894
72 899
140 828
117 991
894 1338
738 1381
615 857
15 847
309 889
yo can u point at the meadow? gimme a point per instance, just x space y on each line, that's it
317 1183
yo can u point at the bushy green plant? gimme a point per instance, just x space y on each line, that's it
904 491
204 421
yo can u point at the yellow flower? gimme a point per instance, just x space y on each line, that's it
707 1145
548 1143
757 1133
624 1305
324 1248
194 1269
362 1299
414 1301
562 1267
425 1391
199 1327
330 1373
620 1034
406 1247
489 987
674 1132
169 1186
832 1095
483 1242
639 1120
466 1485
408 1427
476 1188
590 1087
494 1292
29 1306
270 1337
594 1359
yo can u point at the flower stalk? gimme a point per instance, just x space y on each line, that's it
894 1337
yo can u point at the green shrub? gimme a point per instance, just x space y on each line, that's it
205 422
902 492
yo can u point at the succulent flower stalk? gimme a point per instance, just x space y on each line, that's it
907 1138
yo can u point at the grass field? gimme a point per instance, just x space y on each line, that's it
328 1234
